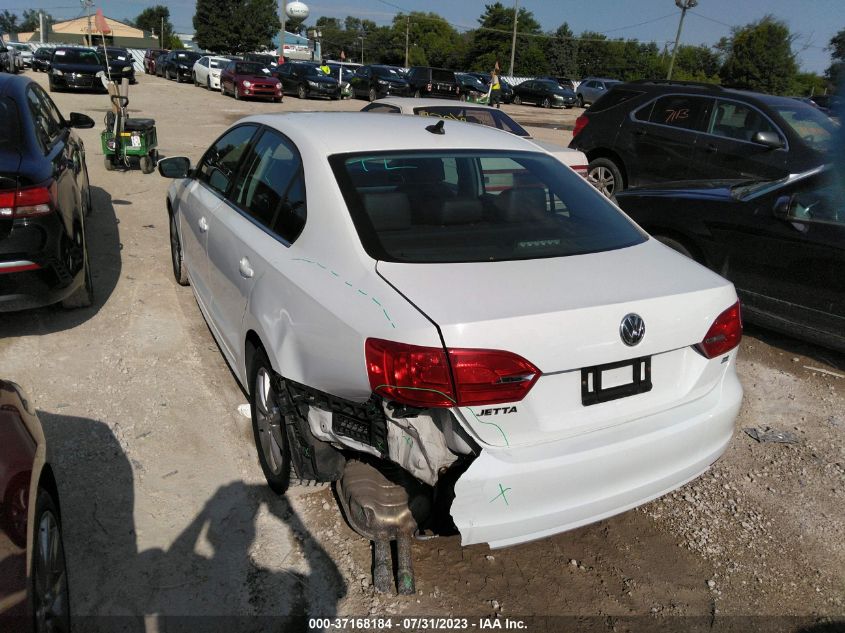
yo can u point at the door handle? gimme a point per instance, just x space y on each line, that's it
245 269
203 224
711 149
640 131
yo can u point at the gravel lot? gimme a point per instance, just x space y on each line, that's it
166 513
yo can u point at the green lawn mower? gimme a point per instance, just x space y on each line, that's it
125 138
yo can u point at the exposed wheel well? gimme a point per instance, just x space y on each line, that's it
48 482
253 344
683 240
606 153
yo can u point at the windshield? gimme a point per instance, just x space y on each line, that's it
187 57
485 116
77 56
476 206
386 73
468 81
808 122
247 68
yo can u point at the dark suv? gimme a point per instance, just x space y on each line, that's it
375 82
425 81
648 132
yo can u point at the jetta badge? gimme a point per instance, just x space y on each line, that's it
632 329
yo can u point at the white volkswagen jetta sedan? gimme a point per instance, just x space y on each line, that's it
447 301
206 71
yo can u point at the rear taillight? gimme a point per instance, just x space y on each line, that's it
725 333
28 202
580 124
428 87
420 376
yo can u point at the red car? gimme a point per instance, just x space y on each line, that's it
250 79
150 57
33 575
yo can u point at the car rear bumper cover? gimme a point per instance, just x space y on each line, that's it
510 496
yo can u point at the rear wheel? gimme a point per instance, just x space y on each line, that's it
605 176
517 100
372 96
268 425
108 163
83 296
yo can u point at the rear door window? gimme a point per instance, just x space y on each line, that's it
483 116
446 76
680 111
9 124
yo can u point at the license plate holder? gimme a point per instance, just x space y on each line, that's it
592 391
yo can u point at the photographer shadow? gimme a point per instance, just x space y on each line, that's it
207 579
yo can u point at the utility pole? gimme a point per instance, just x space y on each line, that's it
87 4
513 40
683 5
407 29
41 26
284 25
361 37
161 34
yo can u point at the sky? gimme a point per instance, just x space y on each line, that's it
813 22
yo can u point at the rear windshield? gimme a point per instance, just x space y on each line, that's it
485 116
192 57
473 206
613 98
77 56
9 126
810 123
442 75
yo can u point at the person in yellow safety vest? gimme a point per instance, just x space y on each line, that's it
325 68
495 87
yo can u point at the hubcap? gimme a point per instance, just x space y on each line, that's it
268 418
603 180
50 578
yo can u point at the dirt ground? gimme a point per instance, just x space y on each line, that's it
165 511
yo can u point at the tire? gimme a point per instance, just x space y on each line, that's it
516 100
417 94
180 273
546 103
208 83
50 595
237 94
581 101
462 98
372 95
108 163
83 296
300 92
605 176
194 77
277 99
268 428
676 246
147 165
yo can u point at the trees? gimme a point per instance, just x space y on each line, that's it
562 52
235 26
150 19
492 41
835 73
8 22
759 57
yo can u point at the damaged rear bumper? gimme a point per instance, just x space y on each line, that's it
510 496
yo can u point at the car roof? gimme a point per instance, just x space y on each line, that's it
12 84
330 133
715 90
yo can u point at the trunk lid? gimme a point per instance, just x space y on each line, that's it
564 314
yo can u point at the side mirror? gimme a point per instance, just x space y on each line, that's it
175 167
769 139
781 208
80 121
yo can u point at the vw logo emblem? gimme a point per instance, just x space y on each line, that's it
632 329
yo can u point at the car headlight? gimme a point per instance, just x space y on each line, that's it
313 84
382 82
246 84
56 71
127 69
